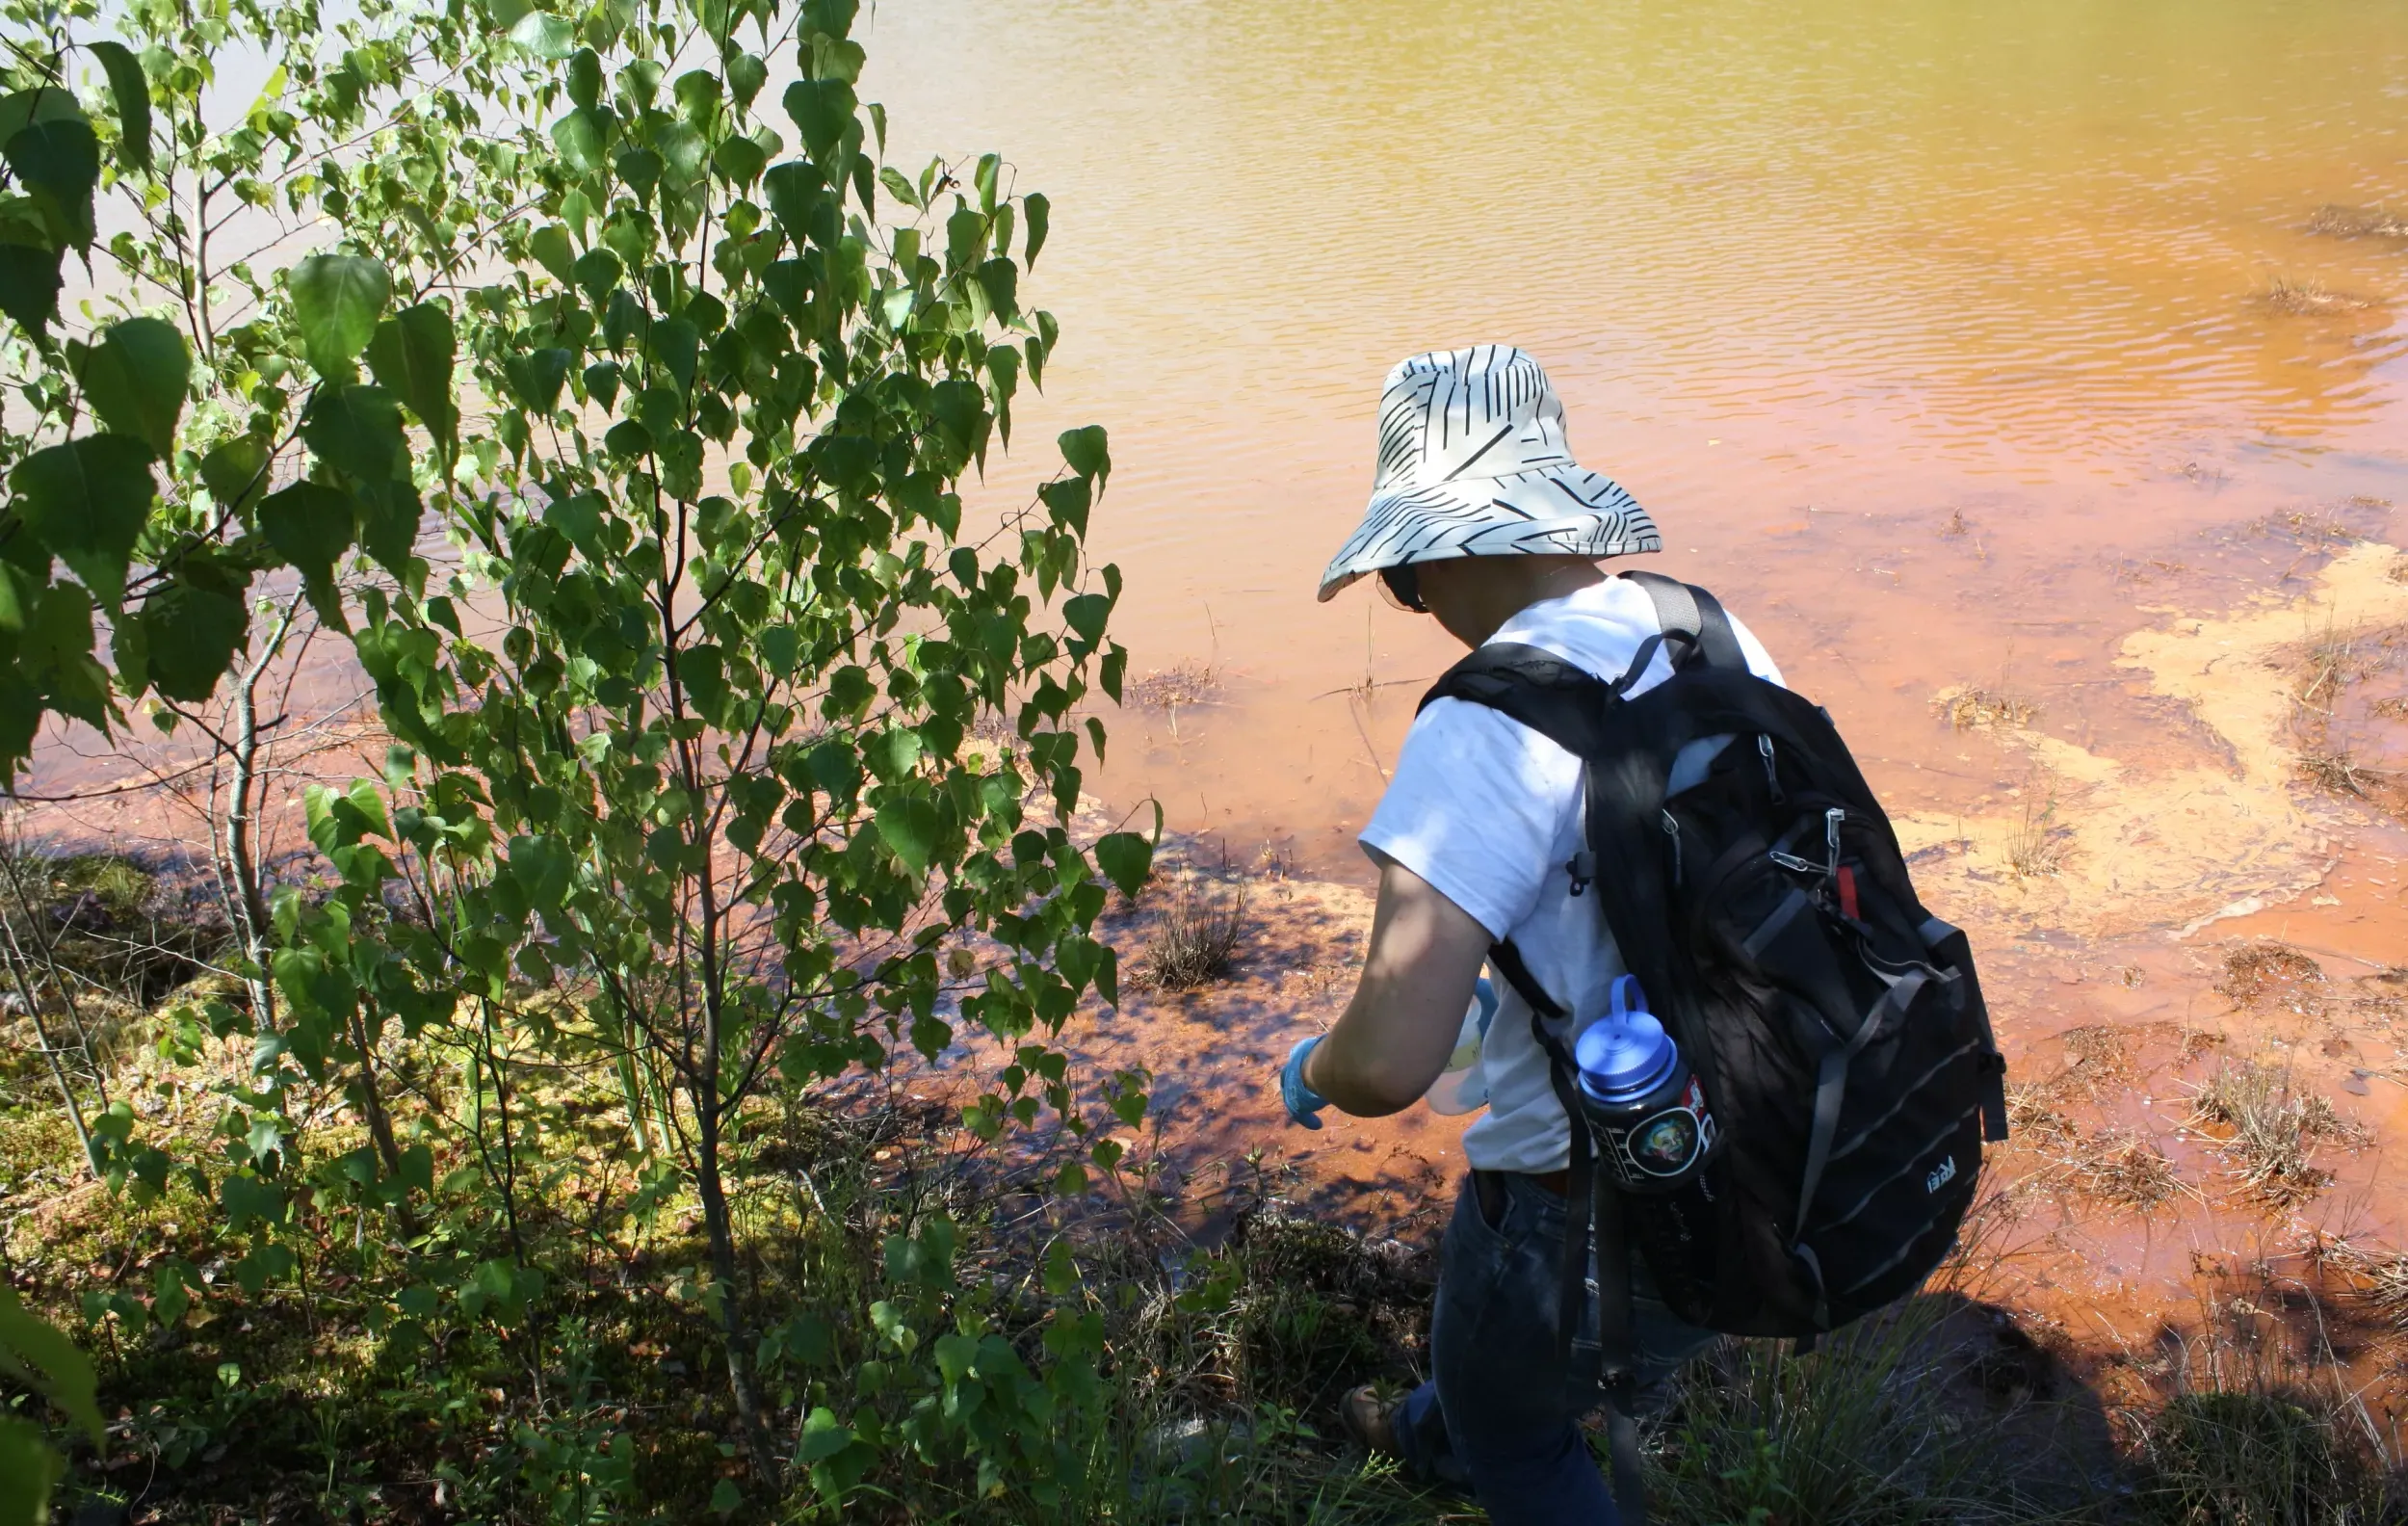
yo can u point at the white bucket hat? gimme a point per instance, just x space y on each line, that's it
1472 463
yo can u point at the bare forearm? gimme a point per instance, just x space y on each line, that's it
1418 972
1359 1075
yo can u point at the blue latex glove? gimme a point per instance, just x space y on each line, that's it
1304 1103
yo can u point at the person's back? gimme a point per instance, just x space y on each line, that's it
1481 517
1488 811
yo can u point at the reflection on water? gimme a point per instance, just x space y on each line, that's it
1866 255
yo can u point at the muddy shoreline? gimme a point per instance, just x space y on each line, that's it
2164 918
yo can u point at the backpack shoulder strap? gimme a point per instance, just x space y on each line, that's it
1532 685
1686 611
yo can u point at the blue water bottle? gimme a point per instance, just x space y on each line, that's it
1646 1110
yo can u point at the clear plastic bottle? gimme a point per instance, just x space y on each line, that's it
1463 1086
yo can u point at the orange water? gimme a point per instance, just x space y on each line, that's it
1789 267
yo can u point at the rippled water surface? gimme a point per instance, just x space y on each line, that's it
1790 265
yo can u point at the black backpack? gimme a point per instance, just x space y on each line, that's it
1835 1026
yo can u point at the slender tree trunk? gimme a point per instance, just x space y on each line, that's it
241 876
379 1120
48 958
50 1058
732 1322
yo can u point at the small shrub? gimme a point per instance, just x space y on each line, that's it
2349 221
2034 848
2116 1166
2255 973
1187 683
2273 1129
1196 939
1859 1432
2246 1459
2308 297
1970 708
2336 770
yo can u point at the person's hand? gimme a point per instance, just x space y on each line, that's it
1302 1102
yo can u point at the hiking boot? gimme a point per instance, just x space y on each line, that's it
1372 1420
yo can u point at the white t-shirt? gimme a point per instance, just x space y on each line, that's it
1488 811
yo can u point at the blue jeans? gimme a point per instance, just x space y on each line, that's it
1499 1412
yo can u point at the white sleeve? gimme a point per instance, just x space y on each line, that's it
1475 809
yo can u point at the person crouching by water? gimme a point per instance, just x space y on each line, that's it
1480 517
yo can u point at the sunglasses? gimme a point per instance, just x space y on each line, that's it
1402 586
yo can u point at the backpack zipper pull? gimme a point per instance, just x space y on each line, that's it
1672 829
1831 820
1772 780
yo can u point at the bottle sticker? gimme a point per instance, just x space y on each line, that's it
1666 1143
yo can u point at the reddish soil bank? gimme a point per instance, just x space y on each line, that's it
2176 847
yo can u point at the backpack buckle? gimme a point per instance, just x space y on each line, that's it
1582 866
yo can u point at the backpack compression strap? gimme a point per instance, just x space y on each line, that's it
1590 1198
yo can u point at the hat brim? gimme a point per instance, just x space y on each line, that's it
1551 510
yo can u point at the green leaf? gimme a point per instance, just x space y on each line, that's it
337 299
29 285
820 111
1086 451
57 649
598 270
677 346
907 823
685 151
311 525
194 633
236 472
584 139
585 77
746 73
898 187
359 429
136 379
1126 859
822 1436
248 1201
1087 615
1040 212
602 383
628 438
965 235
738 161
133 101
795 188
60 160
1067 501
48 103
37 1355
538 377
29 1471
1000 279
553 251
545 35
411 357
86 501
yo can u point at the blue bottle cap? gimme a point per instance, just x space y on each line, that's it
1624 1057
